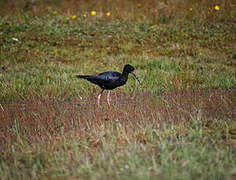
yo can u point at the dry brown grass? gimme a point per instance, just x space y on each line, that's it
42 120
149 10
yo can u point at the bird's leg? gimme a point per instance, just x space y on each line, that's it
108 98
1 107
116 97
99 96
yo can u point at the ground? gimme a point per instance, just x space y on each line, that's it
178 123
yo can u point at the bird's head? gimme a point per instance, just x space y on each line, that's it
129 69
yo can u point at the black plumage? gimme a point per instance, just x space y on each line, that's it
109 80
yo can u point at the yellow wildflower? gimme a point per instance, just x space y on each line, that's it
54 12
85 15
108 14
217 7
190 9
93 13
73 17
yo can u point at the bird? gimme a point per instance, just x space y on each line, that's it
110 80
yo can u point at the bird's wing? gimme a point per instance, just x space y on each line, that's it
104 78
109 76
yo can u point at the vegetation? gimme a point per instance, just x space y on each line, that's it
179 123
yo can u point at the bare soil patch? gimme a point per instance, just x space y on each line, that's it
41 119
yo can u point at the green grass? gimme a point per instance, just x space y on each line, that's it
181 55
173 152
177 124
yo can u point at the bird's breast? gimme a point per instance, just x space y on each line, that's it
114 83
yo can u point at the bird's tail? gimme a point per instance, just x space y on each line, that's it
82 76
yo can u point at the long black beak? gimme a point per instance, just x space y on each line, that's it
136 77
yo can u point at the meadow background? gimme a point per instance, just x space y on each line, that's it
179 123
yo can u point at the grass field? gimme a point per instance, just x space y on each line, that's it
179 123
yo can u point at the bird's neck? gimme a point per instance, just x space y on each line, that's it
125 73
